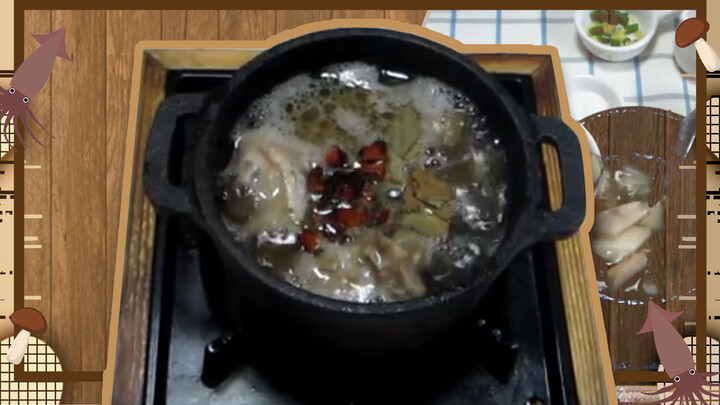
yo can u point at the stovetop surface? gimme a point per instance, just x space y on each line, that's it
515 351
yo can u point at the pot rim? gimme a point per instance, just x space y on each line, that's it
490 266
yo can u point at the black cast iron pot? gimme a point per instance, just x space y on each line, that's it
263 305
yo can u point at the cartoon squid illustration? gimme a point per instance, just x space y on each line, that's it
27 82
676 358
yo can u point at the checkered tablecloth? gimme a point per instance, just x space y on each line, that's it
39 357
652 79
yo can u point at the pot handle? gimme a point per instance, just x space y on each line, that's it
158 186
570 216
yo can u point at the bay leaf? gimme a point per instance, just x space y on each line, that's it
403 130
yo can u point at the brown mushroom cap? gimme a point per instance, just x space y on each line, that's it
29 319
690 31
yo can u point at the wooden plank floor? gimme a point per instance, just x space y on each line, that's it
77 187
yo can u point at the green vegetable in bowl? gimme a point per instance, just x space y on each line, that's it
618 17
596 30
614 27
617 38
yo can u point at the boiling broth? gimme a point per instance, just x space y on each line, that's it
367 185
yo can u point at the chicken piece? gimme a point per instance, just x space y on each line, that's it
615 248
635 183
397 263
370 268
272 168
336 273
616 220
656 219
621 273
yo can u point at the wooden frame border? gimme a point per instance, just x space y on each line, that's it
44 4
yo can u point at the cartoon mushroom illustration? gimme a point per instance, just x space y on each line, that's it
690 32
30 320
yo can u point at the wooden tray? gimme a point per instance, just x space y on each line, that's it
651 131
133 327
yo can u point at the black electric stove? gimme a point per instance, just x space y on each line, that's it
513 351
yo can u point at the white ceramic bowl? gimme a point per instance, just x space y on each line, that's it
594 153
588 95
648 21
594 149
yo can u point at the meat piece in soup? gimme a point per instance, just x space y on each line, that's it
268 180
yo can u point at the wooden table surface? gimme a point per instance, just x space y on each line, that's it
653 132
78 185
